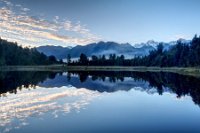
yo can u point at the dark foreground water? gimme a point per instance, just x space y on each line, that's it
98 102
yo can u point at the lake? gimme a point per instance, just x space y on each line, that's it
140 102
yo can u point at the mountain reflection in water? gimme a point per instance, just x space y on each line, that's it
104 82
38 93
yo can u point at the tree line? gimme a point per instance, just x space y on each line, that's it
12 54
180 55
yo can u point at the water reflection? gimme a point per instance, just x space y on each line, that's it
104 82
162 82
34 94
15 81
15 109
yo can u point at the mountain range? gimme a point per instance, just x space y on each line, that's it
104 48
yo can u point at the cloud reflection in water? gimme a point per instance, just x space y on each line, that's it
39 101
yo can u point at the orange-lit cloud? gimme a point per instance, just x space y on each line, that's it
17 25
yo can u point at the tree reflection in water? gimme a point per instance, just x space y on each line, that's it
181 85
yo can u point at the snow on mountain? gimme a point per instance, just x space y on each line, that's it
106 48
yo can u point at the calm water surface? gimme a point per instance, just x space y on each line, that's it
78 102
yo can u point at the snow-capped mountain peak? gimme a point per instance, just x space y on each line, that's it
148 43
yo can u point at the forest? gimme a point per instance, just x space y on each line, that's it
12 54
179 55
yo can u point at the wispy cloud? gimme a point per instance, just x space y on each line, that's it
17 25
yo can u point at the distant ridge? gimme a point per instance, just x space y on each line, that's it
104 48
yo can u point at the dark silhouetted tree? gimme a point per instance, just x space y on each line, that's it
83 59
68 59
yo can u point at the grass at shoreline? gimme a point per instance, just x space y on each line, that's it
194 71
34 68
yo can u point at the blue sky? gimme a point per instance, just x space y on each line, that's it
79 22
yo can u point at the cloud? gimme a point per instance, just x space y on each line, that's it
17 25
7 2
25 9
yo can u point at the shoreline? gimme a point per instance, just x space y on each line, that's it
194 71
34 68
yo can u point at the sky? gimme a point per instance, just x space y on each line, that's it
80 22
